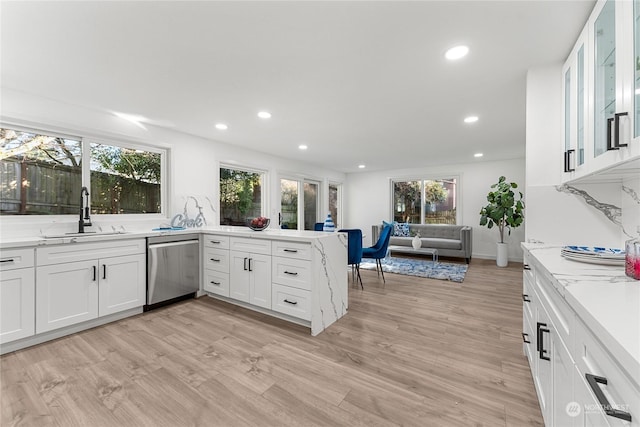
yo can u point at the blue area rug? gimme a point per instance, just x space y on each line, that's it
420 268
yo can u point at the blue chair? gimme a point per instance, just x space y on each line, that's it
318 226
354 251
379 250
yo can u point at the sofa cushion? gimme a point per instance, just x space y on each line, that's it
434 242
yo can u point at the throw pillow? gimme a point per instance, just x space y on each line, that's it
401 230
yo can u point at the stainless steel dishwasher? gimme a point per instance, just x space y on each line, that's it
173 269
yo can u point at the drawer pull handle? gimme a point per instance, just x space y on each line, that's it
290 302
525 338
295 251
214 260
215 283
526 267
216 242
525 298
602 399
7 260
291 273
542 328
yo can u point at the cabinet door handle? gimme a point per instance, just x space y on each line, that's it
250 264
290 302
104 271
6 260
95 272
245 264
609 145
295 251
602 399
616 140
292 273
568 157
542 328
215 283
526 267
214 260
525 298
525 338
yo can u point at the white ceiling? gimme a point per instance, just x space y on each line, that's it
358 82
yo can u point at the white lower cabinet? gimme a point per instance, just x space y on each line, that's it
563 353
122 283
66 294
17 307
292 301
250 278
91 284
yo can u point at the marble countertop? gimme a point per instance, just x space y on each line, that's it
292 235
603 297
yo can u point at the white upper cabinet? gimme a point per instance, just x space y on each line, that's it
599 83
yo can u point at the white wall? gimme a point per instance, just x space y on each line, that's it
194 161
368 199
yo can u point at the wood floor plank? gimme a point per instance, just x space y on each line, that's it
413 352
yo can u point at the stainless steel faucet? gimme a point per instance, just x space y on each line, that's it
85 219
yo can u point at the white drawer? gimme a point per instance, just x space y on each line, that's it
12 259
216 283
592 358
291 272
254 246
561 315
215 241
216 259
292 301
71 252
291 249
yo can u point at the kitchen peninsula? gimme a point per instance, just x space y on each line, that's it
299 276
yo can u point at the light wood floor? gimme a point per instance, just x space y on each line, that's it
416 352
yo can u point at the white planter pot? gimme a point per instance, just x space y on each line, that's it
502 258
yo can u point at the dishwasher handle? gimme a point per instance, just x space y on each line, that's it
169 244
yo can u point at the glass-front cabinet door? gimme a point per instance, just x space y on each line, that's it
574 108
636 68
604 77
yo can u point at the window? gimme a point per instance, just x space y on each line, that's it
335 203
299 196
42 174
124 180
240 195
425 201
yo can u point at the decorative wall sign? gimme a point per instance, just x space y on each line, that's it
191 217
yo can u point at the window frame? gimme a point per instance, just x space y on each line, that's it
428 177
264 188
86 142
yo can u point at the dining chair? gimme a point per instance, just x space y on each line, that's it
318 226
354 251
379 250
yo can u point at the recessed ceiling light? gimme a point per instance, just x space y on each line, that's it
457 52
361 166
471 119
264 115
302 147
221 126
478 155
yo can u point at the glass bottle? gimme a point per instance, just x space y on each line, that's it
632 257
328 224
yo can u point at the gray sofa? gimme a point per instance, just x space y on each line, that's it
449 240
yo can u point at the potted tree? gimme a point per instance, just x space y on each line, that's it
504 211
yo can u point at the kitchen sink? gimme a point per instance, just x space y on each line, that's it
85 234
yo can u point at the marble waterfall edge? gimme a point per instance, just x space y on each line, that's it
330 301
